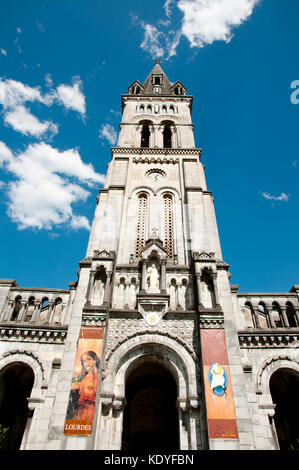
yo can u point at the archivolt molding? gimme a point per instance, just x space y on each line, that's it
271 365
179 357
28 358
156 334
174 191
146 189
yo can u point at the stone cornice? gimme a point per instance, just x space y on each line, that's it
39 289
93 318
155 151
269 338
24 332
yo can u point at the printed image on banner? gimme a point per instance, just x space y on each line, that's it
218 389
80 412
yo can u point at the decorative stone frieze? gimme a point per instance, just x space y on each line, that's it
269 338
33 334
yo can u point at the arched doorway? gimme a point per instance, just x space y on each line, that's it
16 381
284 388
150 416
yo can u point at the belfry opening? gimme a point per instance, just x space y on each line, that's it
150 416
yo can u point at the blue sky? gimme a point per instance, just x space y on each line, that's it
64 65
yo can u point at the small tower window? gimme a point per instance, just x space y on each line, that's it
145 135
157 80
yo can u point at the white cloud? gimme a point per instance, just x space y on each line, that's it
46 184
282 197
206 21
3 51
14 93
150 41
71 96
19 30
108 132
21 120
5 154
48 80
203 22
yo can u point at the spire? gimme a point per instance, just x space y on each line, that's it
157 83
157 79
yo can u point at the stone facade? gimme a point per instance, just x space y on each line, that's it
154 280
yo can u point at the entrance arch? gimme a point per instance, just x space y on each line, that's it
176 357
284 388
150 420
16 381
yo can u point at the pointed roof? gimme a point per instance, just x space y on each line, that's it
150 80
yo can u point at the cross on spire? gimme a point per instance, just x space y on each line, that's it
157 61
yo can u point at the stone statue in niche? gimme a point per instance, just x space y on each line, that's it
153 277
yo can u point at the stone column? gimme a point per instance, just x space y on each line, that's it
127 293
198 289
8 312
285 318
50 311
163 276
155 135
183 428
178 132
22 311
36 311
271 321
143 279
90 285
297 315
117 423
179 293
217 299
256 316
107 287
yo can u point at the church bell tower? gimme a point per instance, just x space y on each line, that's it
154 283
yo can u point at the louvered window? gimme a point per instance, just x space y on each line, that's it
141 224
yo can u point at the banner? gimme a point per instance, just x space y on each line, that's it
219 397
80 412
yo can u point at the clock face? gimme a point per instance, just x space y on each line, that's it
155 176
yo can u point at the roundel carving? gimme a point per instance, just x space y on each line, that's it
155 175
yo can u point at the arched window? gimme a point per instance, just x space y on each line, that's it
277 315
263 316
17 308
164 109
167 136
168 225
249 315
171 109
145 135
291 316
141 227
